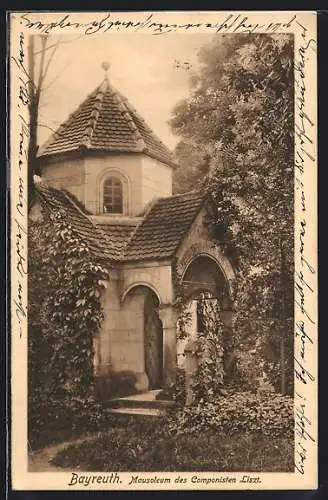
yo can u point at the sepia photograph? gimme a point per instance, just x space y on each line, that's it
161 185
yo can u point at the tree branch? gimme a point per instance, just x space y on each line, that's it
44 40
47 126
49 62
58 43
56 77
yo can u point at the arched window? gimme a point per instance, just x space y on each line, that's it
112 196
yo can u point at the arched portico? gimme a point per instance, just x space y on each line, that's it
158 353
140 284
207 277
141 303
148 316
204 274
209 249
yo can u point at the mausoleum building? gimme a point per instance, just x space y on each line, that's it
113 178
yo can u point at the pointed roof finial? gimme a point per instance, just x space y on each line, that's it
105 66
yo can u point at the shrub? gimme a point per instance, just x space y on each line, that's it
177 391
118 384
265 414
207 382
51 419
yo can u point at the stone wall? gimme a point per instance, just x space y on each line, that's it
198 242
125 166
120 350
144 179
66 174
156 275
156 180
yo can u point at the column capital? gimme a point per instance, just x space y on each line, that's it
168 315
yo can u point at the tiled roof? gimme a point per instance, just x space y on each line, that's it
106 121
118 233
99 244
156 237
164 226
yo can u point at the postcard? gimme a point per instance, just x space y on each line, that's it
163 180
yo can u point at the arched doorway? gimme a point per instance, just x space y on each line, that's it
207 294
153 341
203 275
142 314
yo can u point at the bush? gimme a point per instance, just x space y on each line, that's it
266 414
177 391
51 419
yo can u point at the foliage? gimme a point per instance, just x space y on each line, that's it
184 318
177 392
150 446
65 284
240 114
248 375
193 164
212 346
263 414
56 420
180 304
208 381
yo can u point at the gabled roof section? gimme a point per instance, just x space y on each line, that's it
119 232
164 227
97 241
106 121
157 236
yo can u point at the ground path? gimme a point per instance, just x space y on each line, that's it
144 404
39 461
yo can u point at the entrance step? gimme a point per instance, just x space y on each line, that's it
142 412
140 404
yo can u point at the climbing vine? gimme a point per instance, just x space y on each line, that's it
65 313
208 380
181 303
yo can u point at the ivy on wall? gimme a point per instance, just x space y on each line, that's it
181 302
210 374
65 284
209 378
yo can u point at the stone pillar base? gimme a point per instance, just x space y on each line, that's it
142 382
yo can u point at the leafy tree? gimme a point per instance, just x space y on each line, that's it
240 110
193 165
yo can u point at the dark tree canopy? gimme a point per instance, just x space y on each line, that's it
239 116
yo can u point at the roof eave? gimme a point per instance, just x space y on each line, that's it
83 149
170 163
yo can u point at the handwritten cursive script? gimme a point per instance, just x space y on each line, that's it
235 23
19 231
305 281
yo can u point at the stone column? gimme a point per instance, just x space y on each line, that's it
168 317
